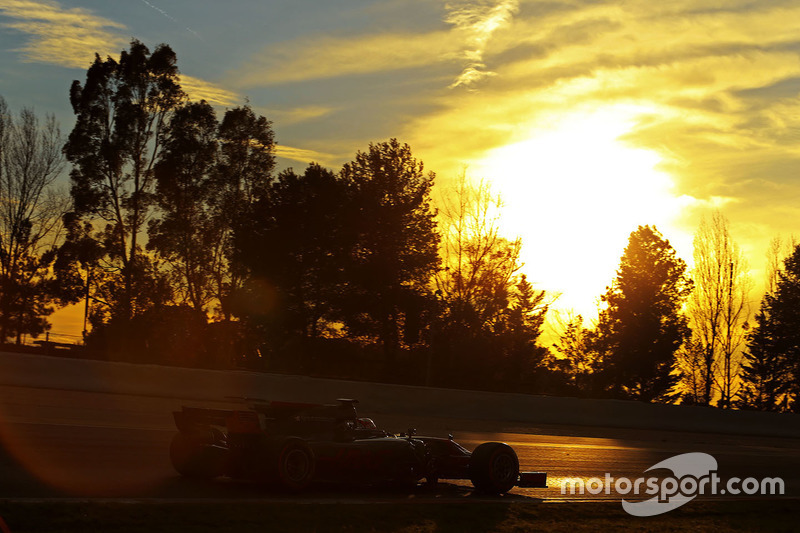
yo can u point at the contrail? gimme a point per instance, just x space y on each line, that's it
170 17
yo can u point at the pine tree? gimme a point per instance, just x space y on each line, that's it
771 371
396 248
642 327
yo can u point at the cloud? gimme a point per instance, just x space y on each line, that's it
198 89
473 23
302 60
71 37
61 36
297 115
715 93
697 73
306 156
479 21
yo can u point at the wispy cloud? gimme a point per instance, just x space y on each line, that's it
306 59
305 156
71 37
472 23
693 67
296 115
479 20
61 36
198 89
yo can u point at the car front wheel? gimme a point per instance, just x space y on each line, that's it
494 468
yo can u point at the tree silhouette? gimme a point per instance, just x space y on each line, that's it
396 247
185 231
121 111
693 371
243 174
77 265
479 263
718 308
30 215
642 326
521 358
490 317
578 362
771 368
297 241
209 177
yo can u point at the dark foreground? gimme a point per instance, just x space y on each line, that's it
79 461
501 516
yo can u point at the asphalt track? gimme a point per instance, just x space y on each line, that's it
60 444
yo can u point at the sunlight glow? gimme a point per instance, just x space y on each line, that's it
574 192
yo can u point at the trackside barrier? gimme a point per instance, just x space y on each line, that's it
37 371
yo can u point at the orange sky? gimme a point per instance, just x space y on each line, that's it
589 117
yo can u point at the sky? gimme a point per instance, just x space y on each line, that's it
588 117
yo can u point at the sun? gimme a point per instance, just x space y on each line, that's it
574 192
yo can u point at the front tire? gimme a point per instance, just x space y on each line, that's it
494 468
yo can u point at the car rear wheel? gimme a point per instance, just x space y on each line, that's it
192 456
494 468
296 464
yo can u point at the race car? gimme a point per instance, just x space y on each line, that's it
295 444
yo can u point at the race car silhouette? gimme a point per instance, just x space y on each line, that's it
295 444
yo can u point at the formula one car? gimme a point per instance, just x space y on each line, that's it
295 444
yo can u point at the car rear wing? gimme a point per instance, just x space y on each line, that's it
189 419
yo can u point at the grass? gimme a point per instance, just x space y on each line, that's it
501 517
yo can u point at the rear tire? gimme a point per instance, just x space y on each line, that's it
296 464
494 468
191 457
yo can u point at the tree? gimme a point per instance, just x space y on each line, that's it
771 368
121 111
185 232
642 326
691 365
243 174
718 307
395 253
576 359
479 263
77 266
209 177
520 355
30 213
765 370
774 256
490 316
297 242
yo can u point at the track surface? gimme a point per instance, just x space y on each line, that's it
69 444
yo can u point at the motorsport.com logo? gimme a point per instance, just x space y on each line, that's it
694 474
